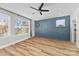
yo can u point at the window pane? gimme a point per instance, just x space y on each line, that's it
60 23
22 26
4 21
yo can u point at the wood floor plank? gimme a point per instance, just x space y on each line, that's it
41 47
53 44
12 50
22 51
32 49
54 50
44 49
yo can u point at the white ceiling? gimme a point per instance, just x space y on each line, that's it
56 9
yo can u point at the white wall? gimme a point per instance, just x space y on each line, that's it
75 16
12 39
33 28
56 9
72 17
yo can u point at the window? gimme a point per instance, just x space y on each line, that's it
60 23
22 25
4 25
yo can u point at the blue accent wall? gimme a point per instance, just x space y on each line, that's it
47 28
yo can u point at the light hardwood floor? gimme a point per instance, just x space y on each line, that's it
41 47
